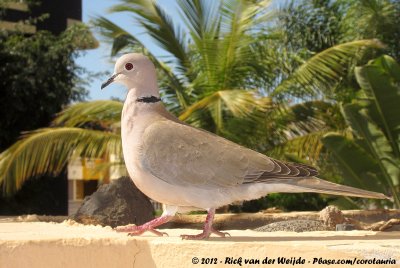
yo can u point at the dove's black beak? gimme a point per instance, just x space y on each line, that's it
109 81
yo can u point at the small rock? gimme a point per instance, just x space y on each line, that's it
115 204
293 226
331 216
345 227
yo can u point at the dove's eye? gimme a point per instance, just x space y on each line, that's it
129 66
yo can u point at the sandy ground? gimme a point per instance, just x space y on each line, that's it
67 244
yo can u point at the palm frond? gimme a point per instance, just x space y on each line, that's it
222 35
238 19
298 129
159 26
202 20
176 83
106 113
47 151
199 17
241 16
119 38
322 72
306 147
303 118
242 103
239 103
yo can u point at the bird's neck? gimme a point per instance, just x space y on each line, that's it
139 103
139 94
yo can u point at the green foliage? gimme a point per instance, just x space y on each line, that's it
370 159
311 25
373 19
297 130
320 26
321 74
38 77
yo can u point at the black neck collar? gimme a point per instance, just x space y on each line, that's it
151 99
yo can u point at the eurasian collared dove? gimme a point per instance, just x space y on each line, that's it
187 168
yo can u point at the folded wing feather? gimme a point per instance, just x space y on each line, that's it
183 155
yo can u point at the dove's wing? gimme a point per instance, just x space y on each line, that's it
182 155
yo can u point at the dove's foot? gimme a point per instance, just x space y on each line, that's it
207 230
134 230
205 234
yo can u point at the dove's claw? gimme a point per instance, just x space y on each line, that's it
208 229
201 236
135 233
158 232
134 230
139 232
219 233
205 234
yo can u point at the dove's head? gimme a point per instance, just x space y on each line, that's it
136 72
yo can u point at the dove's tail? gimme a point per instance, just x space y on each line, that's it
316 185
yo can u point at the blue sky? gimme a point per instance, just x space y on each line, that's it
98 60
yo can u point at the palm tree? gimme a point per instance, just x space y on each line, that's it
219 69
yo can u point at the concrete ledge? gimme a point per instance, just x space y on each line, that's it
39 244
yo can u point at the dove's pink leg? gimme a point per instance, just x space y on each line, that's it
207 229
148 226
